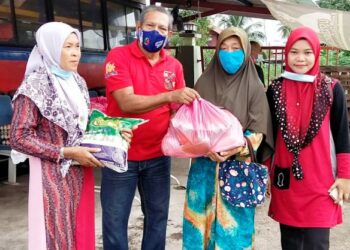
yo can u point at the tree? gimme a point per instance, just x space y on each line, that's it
203 27
284 30
335 4
251 28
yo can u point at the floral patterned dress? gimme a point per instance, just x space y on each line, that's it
67 212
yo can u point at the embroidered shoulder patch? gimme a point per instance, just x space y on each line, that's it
110 70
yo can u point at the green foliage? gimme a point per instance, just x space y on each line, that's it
252 29
344 58
284 30
208 55
330 59
203 26
335 4
271 72
236 21
186 13
175 40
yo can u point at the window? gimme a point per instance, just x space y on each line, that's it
116 24
66 11
92 24
132 16
6 26
30 14
19 20
121 23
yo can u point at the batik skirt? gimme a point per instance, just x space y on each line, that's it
209 221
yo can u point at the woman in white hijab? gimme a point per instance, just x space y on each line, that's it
50 117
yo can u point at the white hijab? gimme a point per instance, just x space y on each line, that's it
50 39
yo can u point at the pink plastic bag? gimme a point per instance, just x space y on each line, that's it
99 103
199 128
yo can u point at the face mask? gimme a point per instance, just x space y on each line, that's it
64 74
231 61
298 77
152 41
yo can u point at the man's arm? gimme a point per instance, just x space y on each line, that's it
128 102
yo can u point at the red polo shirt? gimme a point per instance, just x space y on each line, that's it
127 66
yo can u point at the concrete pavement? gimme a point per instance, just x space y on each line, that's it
13 218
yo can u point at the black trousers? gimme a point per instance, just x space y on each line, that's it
298 238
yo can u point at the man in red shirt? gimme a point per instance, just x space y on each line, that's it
144 82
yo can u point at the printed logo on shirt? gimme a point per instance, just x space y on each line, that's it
169 80
110 70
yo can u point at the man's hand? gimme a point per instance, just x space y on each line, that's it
184 95
131 103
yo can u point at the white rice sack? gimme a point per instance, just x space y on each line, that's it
104 132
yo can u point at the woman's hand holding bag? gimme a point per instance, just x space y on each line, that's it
243 184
